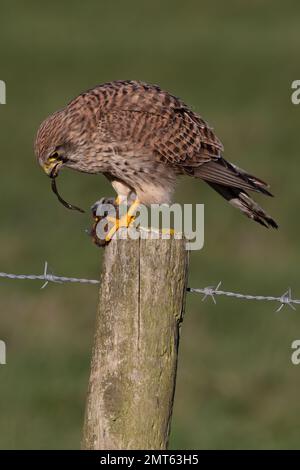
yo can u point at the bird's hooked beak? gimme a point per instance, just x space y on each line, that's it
52 168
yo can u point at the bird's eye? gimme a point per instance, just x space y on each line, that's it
54 157
57 157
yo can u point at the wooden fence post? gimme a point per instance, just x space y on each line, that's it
134 359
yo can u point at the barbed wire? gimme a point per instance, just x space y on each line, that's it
208 292
48 277
211 291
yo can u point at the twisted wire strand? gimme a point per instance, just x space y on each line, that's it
48 277
209 291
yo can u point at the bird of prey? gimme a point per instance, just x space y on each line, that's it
142 138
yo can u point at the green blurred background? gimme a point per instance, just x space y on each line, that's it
234 63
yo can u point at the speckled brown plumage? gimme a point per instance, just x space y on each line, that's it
142 138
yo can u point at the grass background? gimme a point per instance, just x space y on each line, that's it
234 63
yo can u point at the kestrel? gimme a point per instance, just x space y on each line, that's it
142 138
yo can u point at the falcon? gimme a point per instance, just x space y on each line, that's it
142 139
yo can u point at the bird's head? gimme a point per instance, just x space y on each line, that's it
53 161
53 150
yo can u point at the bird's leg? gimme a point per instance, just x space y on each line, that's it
119 199
123 221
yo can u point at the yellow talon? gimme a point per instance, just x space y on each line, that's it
124 221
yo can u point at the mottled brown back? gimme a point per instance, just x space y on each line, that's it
144 116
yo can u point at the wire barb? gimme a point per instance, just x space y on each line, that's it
286 299
210 291
48 276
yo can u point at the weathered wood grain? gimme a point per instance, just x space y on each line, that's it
134 359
